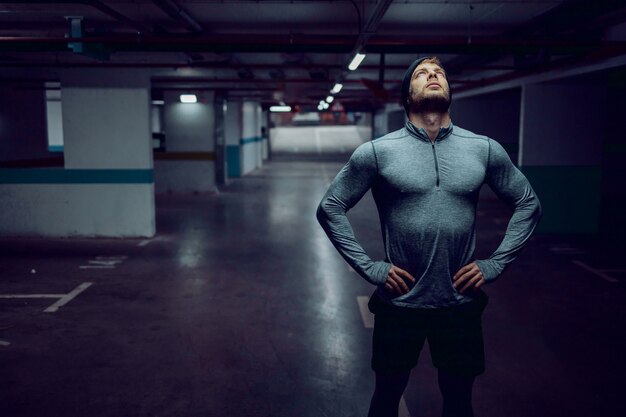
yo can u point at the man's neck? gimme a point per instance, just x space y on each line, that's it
431 122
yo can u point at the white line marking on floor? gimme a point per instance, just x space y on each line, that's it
3 343
144 242
403 411
68 297
97 266
366 315
104 262
31 295
594 271
566 250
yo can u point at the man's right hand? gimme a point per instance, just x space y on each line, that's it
398 281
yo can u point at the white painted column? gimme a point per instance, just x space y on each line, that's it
232 127
250 149
188 163
265 136
106 187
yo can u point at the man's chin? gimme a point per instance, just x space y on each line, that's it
438 103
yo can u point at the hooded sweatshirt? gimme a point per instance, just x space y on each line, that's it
426 194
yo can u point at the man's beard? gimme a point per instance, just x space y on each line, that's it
431 103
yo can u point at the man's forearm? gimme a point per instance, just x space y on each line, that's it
332 217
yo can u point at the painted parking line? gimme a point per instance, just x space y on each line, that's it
31 295
68 297
597 272
144 242
104 262
566 250
3 343
368 322
97 266
366 315
62 298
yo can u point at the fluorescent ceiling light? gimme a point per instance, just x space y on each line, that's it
337 88
329 99
188 98
325 105
158 102
356 61
280 109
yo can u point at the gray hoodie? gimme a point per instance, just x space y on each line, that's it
426 194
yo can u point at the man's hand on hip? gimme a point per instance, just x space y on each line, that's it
468 277
398 281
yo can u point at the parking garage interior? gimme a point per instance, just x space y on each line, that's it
161 163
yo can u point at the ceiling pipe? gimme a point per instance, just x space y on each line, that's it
177 12
278 43
115 14
100 6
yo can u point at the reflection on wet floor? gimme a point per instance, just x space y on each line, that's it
241 307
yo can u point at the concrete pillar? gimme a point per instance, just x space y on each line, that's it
250 141
263 117
106 187
220 106
188 163
232 125
562 127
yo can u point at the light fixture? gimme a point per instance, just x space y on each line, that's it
158 102
188 98
356 61
325 105
280 109
337 88
329 99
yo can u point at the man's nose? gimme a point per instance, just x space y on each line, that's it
432 74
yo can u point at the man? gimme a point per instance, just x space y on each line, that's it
425 179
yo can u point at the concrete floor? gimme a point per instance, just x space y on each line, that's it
241 307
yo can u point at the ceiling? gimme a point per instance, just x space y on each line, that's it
294 51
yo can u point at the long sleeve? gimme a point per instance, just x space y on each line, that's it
348 187
511 186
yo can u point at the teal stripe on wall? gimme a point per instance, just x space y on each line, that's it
76 176
250 140
570 197
55 148
233 161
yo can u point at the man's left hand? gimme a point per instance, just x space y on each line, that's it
468 277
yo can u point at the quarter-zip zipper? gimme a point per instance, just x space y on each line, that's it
436 162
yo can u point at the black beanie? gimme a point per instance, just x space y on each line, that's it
406 83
